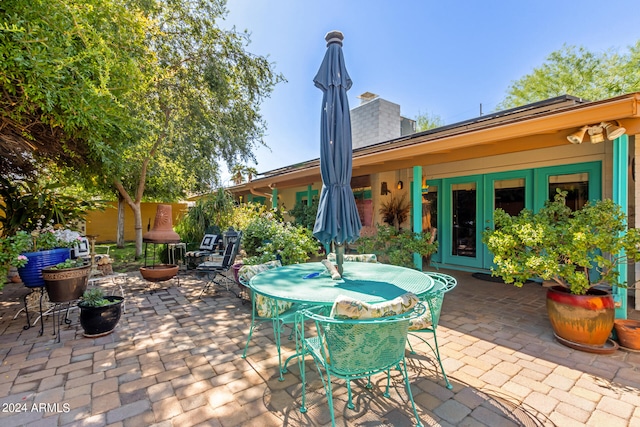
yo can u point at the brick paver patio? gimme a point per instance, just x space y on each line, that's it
174 360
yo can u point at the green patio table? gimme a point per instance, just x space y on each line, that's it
311 284
367 282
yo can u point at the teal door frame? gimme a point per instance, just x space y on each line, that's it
446 241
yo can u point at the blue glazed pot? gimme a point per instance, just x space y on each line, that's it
31 273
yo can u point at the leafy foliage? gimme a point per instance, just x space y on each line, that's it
266 238
560 245
68 70
94 297
395 211
211 210
68 263
397 246
426 121
31 202
577 71
305 215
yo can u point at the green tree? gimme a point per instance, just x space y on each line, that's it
144 97
67 74
426 121
579 72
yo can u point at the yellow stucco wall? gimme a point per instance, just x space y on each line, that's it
104 223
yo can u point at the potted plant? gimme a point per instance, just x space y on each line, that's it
99 314
579 251
30 207
42 247
67 280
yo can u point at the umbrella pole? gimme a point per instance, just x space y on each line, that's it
340 256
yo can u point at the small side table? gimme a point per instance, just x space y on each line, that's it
176 253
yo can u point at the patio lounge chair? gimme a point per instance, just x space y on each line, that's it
428 322
353 349
208 248
216 272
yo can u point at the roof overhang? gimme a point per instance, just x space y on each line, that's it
499 134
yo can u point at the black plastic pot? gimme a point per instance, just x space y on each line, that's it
99 321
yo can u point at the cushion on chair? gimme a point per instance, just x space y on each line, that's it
423 321
263 304
331 257
346 307
208 242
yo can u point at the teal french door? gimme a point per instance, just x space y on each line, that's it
462 207
510 191
462 214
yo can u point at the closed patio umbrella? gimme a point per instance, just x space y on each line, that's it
337 219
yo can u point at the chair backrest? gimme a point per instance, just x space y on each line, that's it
246 272
231 252
208 242
432 302
448 281
352 347
372 258
228 258
80 249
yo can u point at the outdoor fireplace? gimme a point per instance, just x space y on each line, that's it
161 233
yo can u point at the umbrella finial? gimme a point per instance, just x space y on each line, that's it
334 36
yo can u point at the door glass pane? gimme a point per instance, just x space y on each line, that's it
509 195
576 185
430 208
464 219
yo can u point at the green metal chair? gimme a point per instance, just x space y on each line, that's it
269 310
352 349
427 323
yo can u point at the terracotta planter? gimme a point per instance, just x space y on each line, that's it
67 284
99 321
582 319
159 272
628 332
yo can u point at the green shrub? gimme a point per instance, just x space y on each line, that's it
397 246
267 237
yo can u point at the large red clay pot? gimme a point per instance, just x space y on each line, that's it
582 319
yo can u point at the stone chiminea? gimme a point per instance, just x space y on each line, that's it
161 233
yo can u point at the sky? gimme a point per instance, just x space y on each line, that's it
441 58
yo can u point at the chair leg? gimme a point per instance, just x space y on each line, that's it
406 381
251 329
437 352
350 404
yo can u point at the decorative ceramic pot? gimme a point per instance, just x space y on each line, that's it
67 284
159 272
582 319
628 332
31 273
99 321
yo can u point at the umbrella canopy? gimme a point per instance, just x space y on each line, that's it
337 219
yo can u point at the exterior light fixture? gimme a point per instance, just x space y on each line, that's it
399 185
597 133
578 136
612 130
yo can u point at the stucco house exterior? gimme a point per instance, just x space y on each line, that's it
461 172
